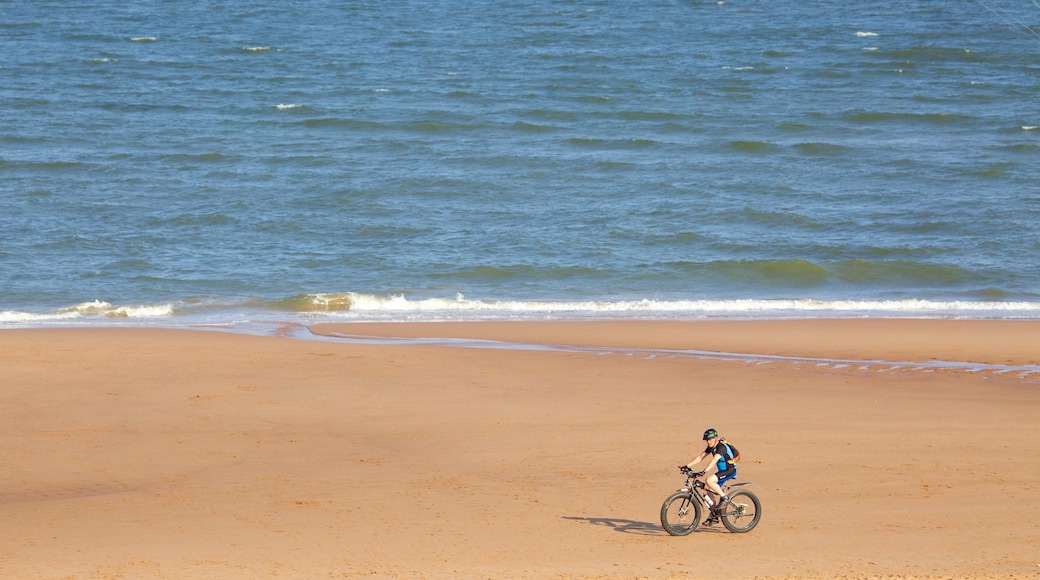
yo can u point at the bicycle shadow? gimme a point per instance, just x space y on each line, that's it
624 526
638 528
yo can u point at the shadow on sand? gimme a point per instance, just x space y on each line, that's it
624 526
636 527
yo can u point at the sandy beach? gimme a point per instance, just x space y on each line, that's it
879 449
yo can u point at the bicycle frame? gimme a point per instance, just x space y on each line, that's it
694 484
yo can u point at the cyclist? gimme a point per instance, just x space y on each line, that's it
720 471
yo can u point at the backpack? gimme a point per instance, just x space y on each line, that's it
733 454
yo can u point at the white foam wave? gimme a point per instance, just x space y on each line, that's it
866 34
86 310
367 303
1030 127
286 107
256 48
355 306
9 316
144 38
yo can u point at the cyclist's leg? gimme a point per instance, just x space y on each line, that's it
712 481
721 478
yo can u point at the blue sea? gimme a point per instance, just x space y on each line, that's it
213 162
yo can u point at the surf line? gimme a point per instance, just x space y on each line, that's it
1023 371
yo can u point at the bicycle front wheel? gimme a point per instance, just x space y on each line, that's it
742 513
680 514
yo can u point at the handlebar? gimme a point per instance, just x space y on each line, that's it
687 471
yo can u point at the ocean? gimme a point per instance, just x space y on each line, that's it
209 162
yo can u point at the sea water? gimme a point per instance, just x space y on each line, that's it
207 161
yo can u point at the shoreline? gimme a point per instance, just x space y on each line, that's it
146 453
874 340
799 338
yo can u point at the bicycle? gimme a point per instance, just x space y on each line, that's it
681 512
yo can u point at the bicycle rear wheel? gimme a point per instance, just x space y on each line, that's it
742 513
680 513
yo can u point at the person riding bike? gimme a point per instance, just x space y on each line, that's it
720 471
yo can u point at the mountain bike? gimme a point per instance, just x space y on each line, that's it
681 512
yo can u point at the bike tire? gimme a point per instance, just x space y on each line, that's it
743 512
680 514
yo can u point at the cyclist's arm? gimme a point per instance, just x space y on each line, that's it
696 460
712 466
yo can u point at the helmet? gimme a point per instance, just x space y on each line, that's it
710 434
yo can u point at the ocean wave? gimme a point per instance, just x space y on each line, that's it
518 272
791 272
594 143
862 116
533 128
1021 148
932 53
788 126
189 219
359 303
195 157
802 273
45 166
752 146
96 309
898 272
295 109
349 124
397 307
822 148
362 303
635 115
321 302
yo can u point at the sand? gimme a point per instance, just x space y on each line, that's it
147 453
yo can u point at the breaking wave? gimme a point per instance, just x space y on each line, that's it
360 307
96 309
